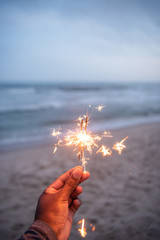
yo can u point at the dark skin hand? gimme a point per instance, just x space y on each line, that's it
59 202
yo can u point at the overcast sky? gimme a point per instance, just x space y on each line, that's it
79 40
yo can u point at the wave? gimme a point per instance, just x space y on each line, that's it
42 106
125 122
92 87
20 90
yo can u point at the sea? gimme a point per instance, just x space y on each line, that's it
30 112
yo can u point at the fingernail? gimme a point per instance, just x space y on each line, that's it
77 173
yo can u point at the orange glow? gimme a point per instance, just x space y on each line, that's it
82 230
93 227
119 146
105 151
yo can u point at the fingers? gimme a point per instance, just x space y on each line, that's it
73 208
60 182
72 182
85 176
75 194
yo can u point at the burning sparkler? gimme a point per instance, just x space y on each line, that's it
83 140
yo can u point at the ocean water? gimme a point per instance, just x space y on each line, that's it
28 113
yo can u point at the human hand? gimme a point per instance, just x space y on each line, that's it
59 202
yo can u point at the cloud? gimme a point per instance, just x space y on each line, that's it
99 42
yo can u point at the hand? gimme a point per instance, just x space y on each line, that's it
59 202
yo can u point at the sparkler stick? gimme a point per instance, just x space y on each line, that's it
81 144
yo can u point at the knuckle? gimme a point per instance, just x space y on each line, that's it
71 183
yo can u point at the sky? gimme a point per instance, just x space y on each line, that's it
79 41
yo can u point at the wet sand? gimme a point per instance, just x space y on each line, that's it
121 198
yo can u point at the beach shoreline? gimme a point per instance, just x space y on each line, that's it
121 198
100 127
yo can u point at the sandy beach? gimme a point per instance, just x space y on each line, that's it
121 198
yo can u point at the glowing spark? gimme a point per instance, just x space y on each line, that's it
55 133
119 146
82 230
99 107
55 149
107 134
105 151
82 140
79 119
93 227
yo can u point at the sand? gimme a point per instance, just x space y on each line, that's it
121 198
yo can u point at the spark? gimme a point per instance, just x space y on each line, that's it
82 140
105 151
55 149
55 133
93 227
119 146
107 134
82 230
99 108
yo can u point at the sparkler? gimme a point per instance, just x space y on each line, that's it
83 140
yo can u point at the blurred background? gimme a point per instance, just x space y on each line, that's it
58 57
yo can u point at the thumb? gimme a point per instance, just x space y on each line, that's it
72 182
